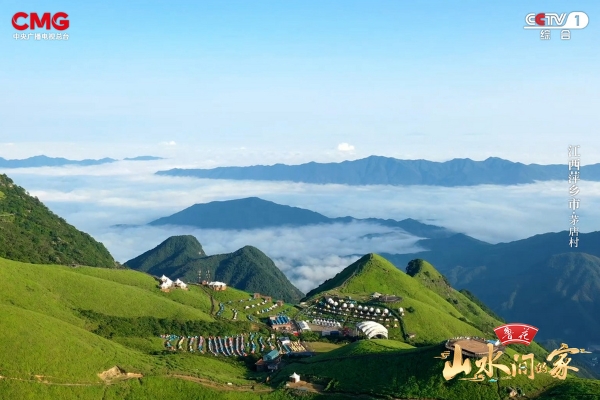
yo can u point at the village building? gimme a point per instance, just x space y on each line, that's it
217 285
280 323
258 296
270 362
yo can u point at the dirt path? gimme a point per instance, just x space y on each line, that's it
238 388
41 379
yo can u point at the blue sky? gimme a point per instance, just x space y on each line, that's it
433 80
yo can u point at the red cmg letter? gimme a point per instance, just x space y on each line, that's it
62 24
35 20
16 17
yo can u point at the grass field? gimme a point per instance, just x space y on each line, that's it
323 347
57 291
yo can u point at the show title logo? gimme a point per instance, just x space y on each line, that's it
488 352
516 333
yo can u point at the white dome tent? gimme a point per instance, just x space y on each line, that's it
372 329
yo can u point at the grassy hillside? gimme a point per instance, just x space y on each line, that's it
30 232
247 269
368 368
55 325
465 302
62 326
59 291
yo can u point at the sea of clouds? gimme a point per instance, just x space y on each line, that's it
95 198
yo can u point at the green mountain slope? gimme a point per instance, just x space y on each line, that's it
50 327
30 232
435 311
246 269
57 350
59 291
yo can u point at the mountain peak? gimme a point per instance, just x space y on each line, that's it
248 269
246 213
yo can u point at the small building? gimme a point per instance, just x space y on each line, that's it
280 323
280 303
303 325
270 356
376 295
270 361
294 378
217 286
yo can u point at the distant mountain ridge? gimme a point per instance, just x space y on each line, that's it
254 213
45 161
377 170
247 269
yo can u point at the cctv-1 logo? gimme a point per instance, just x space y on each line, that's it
574 20
58 21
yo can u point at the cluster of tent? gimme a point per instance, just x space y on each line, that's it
326 322
227 345
231 345
166 283
261 303
194 343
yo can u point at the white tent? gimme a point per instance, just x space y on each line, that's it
166 285
372 329
295 377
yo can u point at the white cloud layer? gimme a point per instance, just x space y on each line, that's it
94 198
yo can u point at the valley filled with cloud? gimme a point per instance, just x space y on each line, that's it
96 198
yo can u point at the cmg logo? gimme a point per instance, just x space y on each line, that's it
58 21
